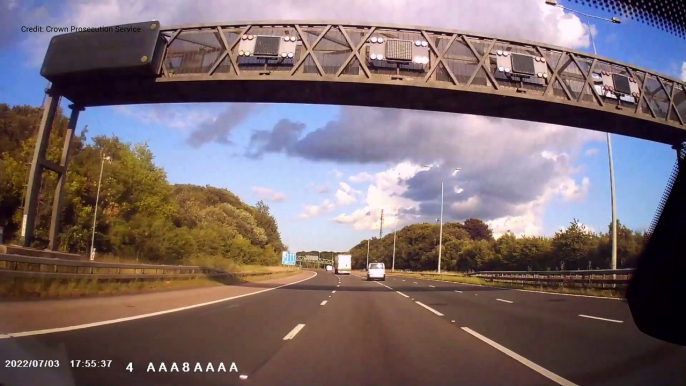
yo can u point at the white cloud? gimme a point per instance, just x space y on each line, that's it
385 193
344 196
268 194
592 151
360 177
316 210
683 71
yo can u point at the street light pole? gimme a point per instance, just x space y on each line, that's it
440 237
609 140
393 266
95 213
366 266
614 209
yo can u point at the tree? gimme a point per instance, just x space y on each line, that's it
572 246
267 222
477 229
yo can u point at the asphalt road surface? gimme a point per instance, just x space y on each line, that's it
342 330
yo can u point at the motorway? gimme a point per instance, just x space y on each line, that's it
343 330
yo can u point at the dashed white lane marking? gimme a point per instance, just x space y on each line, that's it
459 292
112 321
429 308
402 294
324 302
333 292
607 320
546 373
415 282
403 280
432 286
504 301
243 376
294 332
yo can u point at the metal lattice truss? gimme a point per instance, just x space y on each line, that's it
457 61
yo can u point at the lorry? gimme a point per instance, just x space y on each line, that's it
342 264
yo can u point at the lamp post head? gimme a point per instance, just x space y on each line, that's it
551 2
616 20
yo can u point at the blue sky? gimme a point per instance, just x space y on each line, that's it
641 167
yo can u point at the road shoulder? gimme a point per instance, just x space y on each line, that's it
49 314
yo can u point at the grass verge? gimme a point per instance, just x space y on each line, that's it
457 278
33 288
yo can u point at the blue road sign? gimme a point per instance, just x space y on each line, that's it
288 258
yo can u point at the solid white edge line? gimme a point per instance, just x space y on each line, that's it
293 332
112 321
607 320
458 291
523 290
402 294
546 373
505 301
429 308
324 302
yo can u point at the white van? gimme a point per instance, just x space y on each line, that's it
376 271
329 268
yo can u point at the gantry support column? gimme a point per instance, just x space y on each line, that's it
59 189
37 164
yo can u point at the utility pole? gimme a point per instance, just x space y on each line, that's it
394 235
365 267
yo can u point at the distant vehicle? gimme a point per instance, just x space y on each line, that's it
342 264
408 270
329 268
376 271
